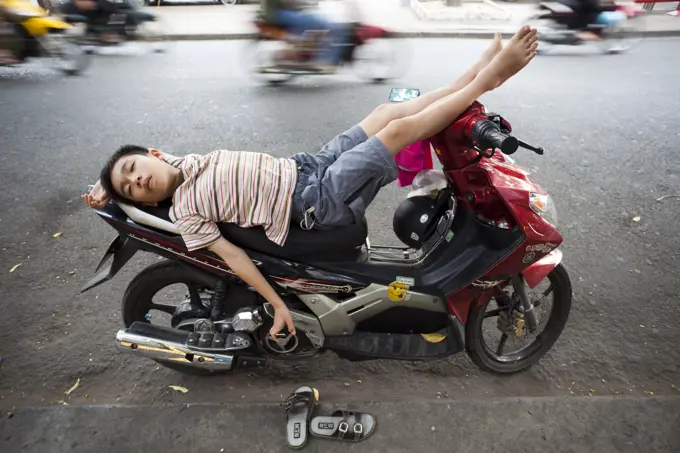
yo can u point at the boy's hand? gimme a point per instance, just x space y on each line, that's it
282 317
97 198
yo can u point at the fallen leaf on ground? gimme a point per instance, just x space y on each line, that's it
636 219
179 388
15 267
75 386
56 235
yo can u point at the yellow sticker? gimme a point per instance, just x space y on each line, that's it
433 337
397 291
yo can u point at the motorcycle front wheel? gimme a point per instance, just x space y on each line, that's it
259 59
510 322
380 59
71 58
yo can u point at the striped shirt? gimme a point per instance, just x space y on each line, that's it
244 188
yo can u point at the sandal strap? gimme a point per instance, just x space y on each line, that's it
296 399
358 427
347 427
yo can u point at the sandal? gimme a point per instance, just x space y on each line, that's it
344 425
299 406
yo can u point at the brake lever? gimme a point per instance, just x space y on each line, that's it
538 150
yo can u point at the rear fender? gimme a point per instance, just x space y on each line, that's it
535 273
40 26
122 249
366 32
631 10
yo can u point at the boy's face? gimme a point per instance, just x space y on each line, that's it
144 178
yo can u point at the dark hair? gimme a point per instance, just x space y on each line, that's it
105 175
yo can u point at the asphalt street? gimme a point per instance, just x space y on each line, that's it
609 127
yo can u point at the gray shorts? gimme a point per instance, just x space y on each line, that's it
336 185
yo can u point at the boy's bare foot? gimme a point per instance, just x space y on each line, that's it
519 51
485 58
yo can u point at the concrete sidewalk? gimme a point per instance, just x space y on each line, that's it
556 425
475 19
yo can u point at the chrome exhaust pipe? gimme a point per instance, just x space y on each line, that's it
171 351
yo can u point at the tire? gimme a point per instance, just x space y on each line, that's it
484 359
380 60
75 60
251 53
149 282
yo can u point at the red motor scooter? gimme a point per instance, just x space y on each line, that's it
489 267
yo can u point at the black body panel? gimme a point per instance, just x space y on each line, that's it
474 249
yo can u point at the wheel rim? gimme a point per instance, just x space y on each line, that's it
161 305
619 38
543 299
376 60
71 58
260 60
229 2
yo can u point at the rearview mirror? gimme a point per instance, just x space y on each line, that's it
403 94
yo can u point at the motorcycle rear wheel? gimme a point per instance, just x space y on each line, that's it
139 295
480 353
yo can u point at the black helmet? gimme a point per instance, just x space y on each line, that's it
416 219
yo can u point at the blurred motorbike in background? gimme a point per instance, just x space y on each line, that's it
113 23
33 33
617 26
276 55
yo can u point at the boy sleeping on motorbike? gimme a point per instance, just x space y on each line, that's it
326 190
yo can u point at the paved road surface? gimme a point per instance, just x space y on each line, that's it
609 126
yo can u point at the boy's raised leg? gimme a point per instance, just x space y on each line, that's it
519 51
385 113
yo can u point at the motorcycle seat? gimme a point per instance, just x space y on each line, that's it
338 244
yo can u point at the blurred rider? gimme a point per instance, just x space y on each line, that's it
290 15
587 12
97 12
6 33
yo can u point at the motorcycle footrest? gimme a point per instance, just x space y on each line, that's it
371 345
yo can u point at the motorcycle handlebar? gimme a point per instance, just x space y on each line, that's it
488 135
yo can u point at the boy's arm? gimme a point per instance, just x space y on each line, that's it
243 266
97 198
